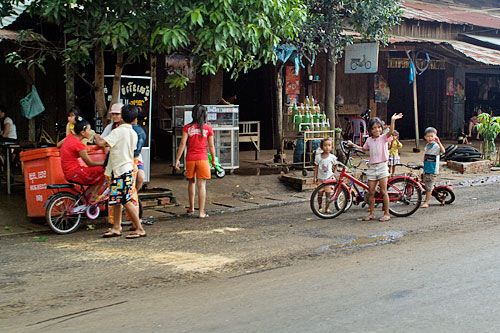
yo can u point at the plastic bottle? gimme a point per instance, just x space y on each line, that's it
298 120
294 110
323 116
319 128
307 117
307 101
327 124
316 115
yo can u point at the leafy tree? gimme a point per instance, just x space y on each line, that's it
489 128
333 24
234 35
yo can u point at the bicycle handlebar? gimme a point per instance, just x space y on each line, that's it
410 166
345 146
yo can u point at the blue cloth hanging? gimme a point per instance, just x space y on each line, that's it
283 52
412 72
31 105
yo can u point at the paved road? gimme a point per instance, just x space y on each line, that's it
265 270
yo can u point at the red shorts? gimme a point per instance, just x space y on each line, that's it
86 176
200 169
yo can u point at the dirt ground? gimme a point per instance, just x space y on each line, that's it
47 273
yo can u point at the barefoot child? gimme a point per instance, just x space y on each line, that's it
197 134
325 167
121 142
394 146
432 149
377 145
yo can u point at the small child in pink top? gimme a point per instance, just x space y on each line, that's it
378 171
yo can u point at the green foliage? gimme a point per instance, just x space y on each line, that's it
176 81
233 35
489 128
332 24
6 7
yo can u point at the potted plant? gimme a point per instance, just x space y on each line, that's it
489 128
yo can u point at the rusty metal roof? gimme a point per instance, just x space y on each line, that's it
473 52
484 17
8 34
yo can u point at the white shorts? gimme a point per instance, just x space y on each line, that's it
377 171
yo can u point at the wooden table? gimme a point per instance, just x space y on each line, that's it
8 146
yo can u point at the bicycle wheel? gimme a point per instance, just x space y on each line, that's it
325 206
444 195
58 213
349 201
404 195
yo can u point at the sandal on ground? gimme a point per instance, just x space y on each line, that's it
384 218
368 218
110 234
135 235
203 217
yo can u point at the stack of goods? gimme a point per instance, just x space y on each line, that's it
308 117
461 154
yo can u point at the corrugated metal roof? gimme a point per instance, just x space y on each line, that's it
485 17
18 9
477 53
485 39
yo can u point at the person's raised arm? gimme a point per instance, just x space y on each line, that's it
85 157
441 147
100 141
180 150
211 148
352 144
393 123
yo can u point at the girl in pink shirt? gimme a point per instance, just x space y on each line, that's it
378 170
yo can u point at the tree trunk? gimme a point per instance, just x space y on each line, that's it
279 109
330 88
29 78
100 99
115 91
70 86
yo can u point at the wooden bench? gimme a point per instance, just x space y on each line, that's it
250 132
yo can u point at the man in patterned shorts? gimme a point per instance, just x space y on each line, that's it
122 141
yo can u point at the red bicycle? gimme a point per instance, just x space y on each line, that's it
331 198
443 193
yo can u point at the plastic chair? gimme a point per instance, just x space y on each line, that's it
358 124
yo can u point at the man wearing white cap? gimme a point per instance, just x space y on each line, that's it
116 116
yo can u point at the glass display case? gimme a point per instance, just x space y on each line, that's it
224 121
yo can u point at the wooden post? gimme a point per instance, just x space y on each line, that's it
415 110
330 88
415 105
279 111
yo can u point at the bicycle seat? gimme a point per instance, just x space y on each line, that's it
59 186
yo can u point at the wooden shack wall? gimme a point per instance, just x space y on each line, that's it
205 90
435 30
